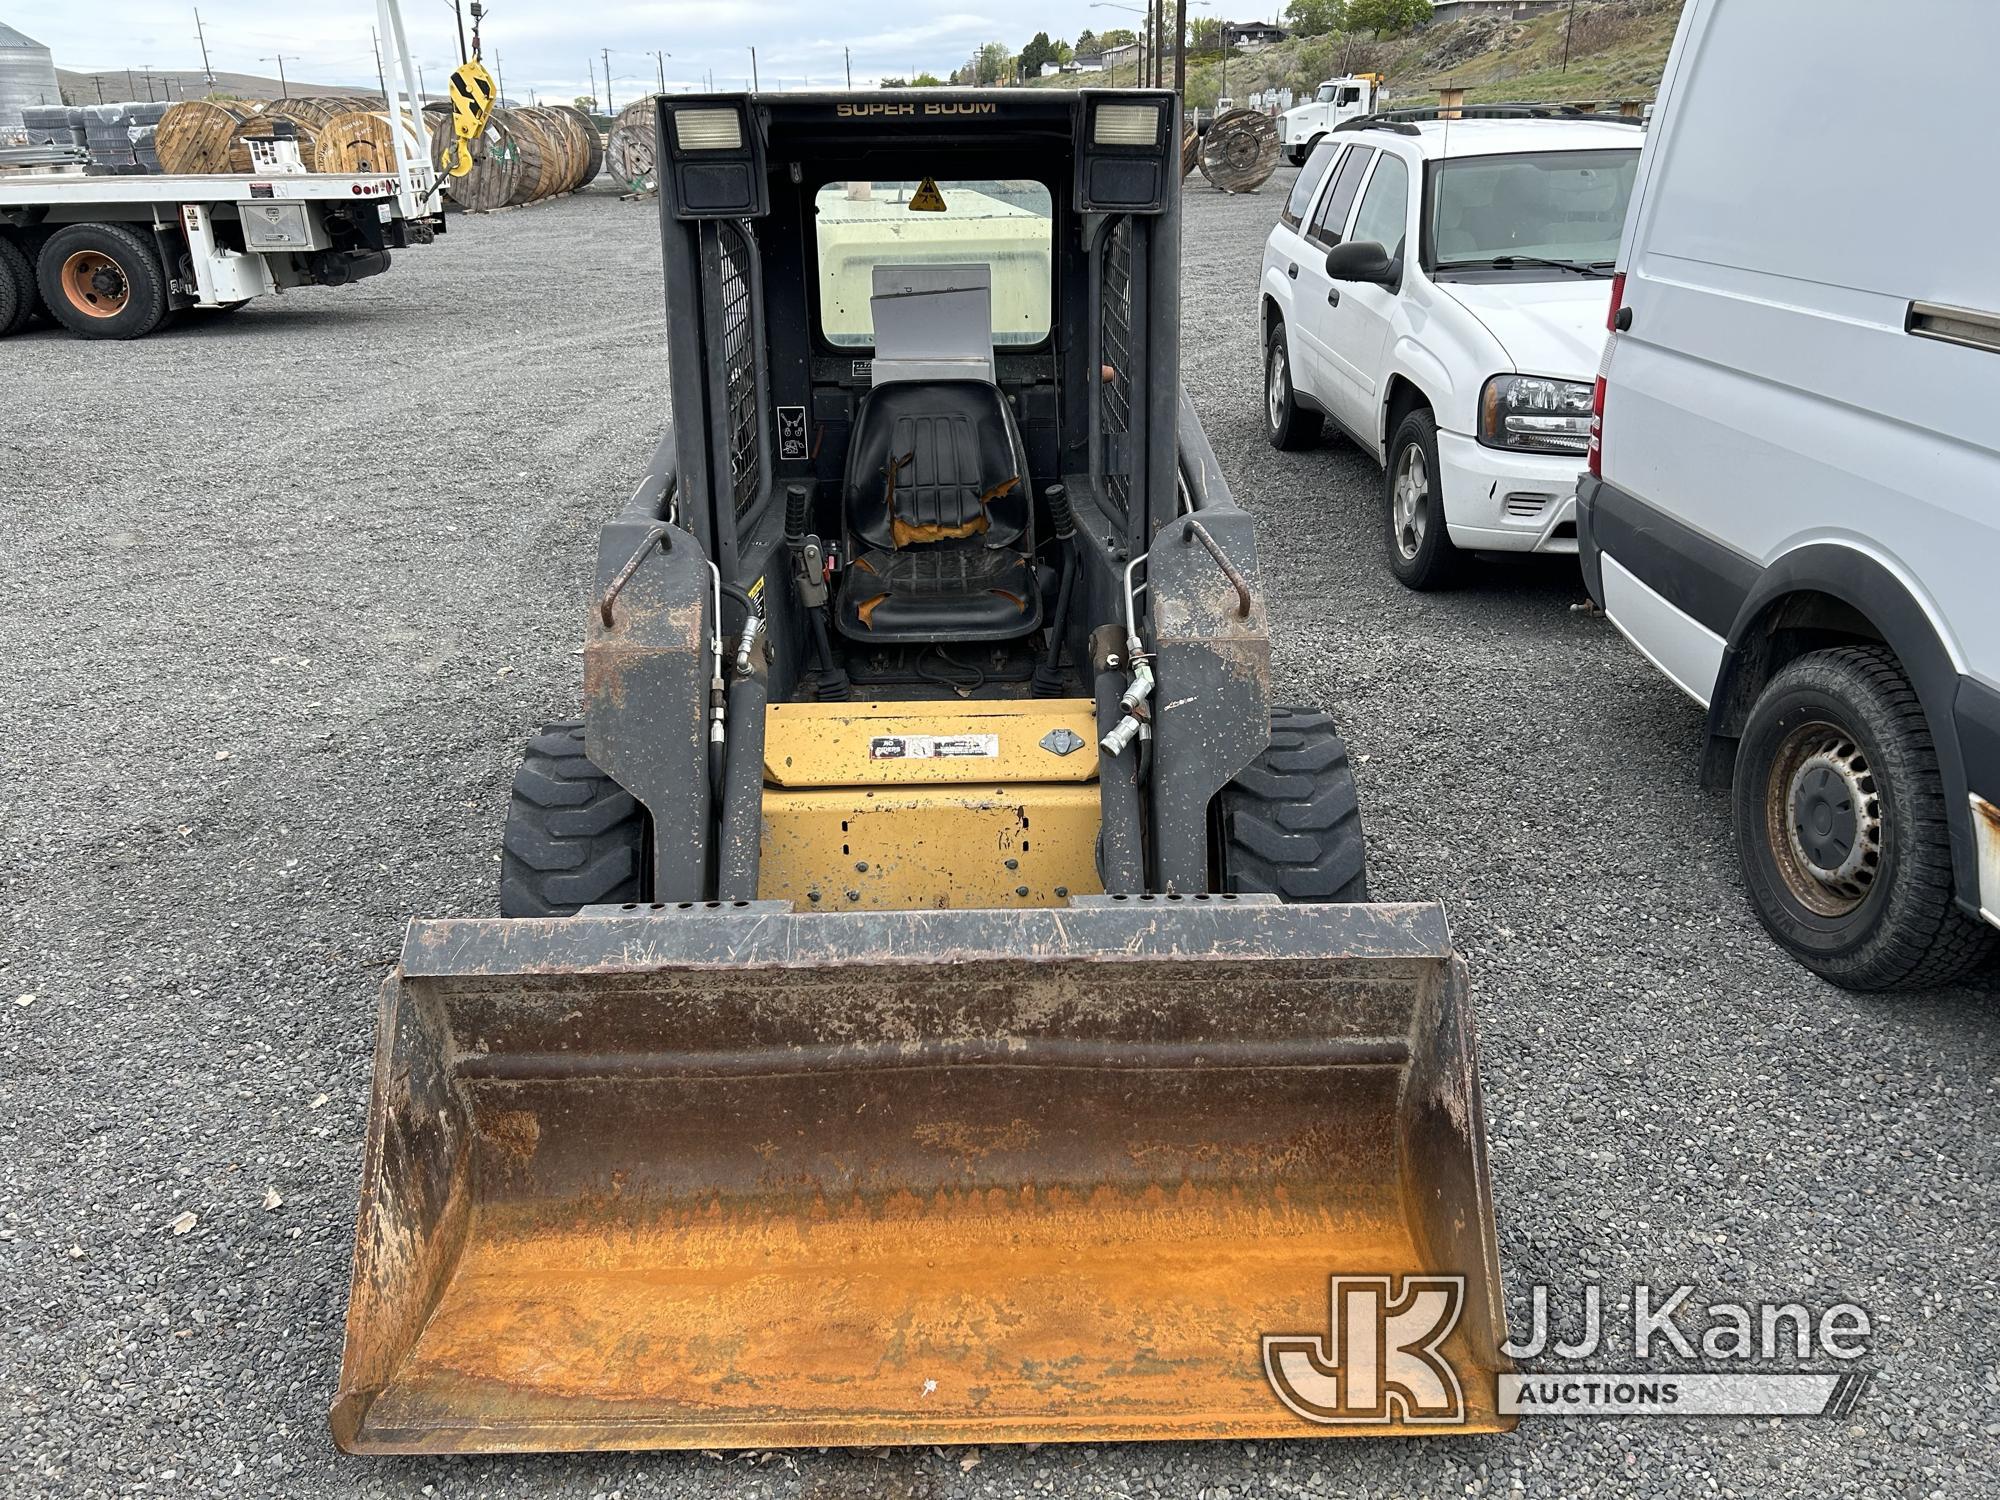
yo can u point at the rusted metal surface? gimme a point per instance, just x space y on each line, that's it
663 536
735 1176
1193 531
645 676
1212 701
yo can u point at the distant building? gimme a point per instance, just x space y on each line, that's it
1251 36
1089 62
1511 10
27 78
1113 57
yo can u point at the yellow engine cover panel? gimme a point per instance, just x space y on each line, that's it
900 848
901 806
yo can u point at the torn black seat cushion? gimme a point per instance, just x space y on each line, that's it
940 522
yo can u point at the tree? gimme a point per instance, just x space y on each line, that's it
927 81
1037 52
1118 36
1386 17
1087 43
1062 54
585 103
991 63
1205 34
1318 17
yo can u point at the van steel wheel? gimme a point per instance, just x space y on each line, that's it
1841 827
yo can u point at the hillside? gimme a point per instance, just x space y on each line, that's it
80 86
1617 51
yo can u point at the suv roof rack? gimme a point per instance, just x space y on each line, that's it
1404 121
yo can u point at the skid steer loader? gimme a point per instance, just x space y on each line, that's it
936 997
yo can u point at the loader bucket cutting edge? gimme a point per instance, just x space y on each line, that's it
735 1177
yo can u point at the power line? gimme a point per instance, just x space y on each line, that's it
201 36
284 90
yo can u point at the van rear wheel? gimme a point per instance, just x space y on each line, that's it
1842 830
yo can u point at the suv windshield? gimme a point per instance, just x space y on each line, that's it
1007 225
1524 212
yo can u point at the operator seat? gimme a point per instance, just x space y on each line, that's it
937 512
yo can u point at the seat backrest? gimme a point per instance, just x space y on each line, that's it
936 463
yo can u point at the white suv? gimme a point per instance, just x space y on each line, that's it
1438 290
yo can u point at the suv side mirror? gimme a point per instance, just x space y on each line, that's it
1362 260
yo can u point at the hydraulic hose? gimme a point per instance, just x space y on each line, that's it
1121 854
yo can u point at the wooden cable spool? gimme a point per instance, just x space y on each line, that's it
592 141
1190 148
200 135
496 165
361 142
1240 151
567 150
633 148
309 114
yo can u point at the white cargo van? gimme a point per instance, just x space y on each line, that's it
1793 498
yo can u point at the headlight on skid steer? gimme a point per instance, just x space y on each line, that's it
1532 414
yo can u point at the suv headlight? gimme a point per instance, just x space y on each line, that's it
1533 414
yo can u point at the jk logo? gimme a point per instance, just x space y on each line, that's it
1378 1360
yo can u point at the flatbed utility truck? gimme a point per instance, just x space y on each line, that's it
118 256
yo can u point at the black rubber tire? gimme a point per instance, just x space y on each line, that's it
146 283
1287 424
1435 562
574 837
1290 823
17 288
1906 932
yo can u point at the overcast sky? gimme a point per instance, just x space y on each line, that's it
545 47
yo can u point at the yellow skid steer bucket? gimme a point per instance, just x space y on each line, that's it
735 1176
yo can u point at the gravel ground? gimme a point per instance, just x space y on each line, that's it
293 585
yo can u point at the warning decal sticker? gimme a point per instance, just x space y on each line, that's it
934 747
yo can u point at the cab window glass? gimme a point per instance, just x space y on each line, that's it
1332 216
1385 206
1007 225
1310 176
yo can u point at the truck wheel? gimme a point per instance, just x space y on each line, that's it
1841 826
574 837
1420 552
102 281
1290 823
1286 423
17 288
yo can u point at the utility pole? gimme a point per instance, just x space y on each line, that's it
848 54
607 83
754 85
1180 49
499 79
590 64
284 90
98 79
660 63
376 42
201 36
1568 30
147 68
131 85
423 89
